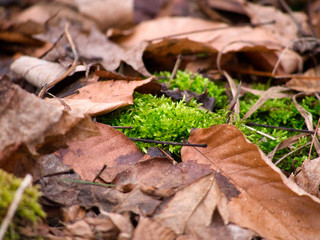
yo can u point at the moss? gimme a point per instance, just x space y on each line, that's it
163 119
29 210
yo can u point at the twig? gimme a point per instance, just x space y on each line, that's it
47 87
280 128
168 143
313 138
176 67
69 171
209 30
261 133
122 127
101 171
14 205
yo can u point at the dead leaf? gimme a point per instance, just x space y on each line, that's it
101 97
112 148
31 126
306 85
161 173
187 35
193 206
152 230
308 177
36 71
268 203
107 13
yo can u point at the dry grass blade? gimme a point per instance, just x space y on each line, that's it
307 119
264 97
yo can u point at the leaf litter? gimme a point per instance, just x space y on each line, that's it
228 190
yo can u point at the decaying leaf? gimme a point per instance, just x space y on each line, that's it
306 85
31 126
36 71
308 177
101 97
193 206
112 148
269 203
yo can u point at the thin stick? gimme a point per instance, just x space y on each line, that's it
101 171
168 143
122 127
280 128
14 205
313 138
176 67
70 70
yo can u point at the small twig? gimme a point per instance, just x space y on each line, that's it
261 133
69 171
168 143
66 106
168 156
47 87
313 138
100 172
88 182
122 127
176 67
280 128
14 205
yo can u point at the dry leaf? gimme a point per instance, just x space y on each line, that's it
112 148
306 85
31 126
183 35
36 71
152 230
101 97
193 206
309 176
161 173
268 203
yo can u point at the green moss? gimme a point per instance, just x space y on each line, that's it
29 210
196 83
163 119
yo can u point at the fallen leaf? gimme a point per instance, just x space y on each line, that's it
36 71
112 148
306 85
101 97
31 126
152 230
187 35
269 203
308 177
193 206
161 173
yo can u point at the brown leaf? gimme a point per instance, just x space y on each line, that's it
112 148
152 230
101 97
36 71
31 126
193 206
161 173
306 85
268 203
183 35
309 176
